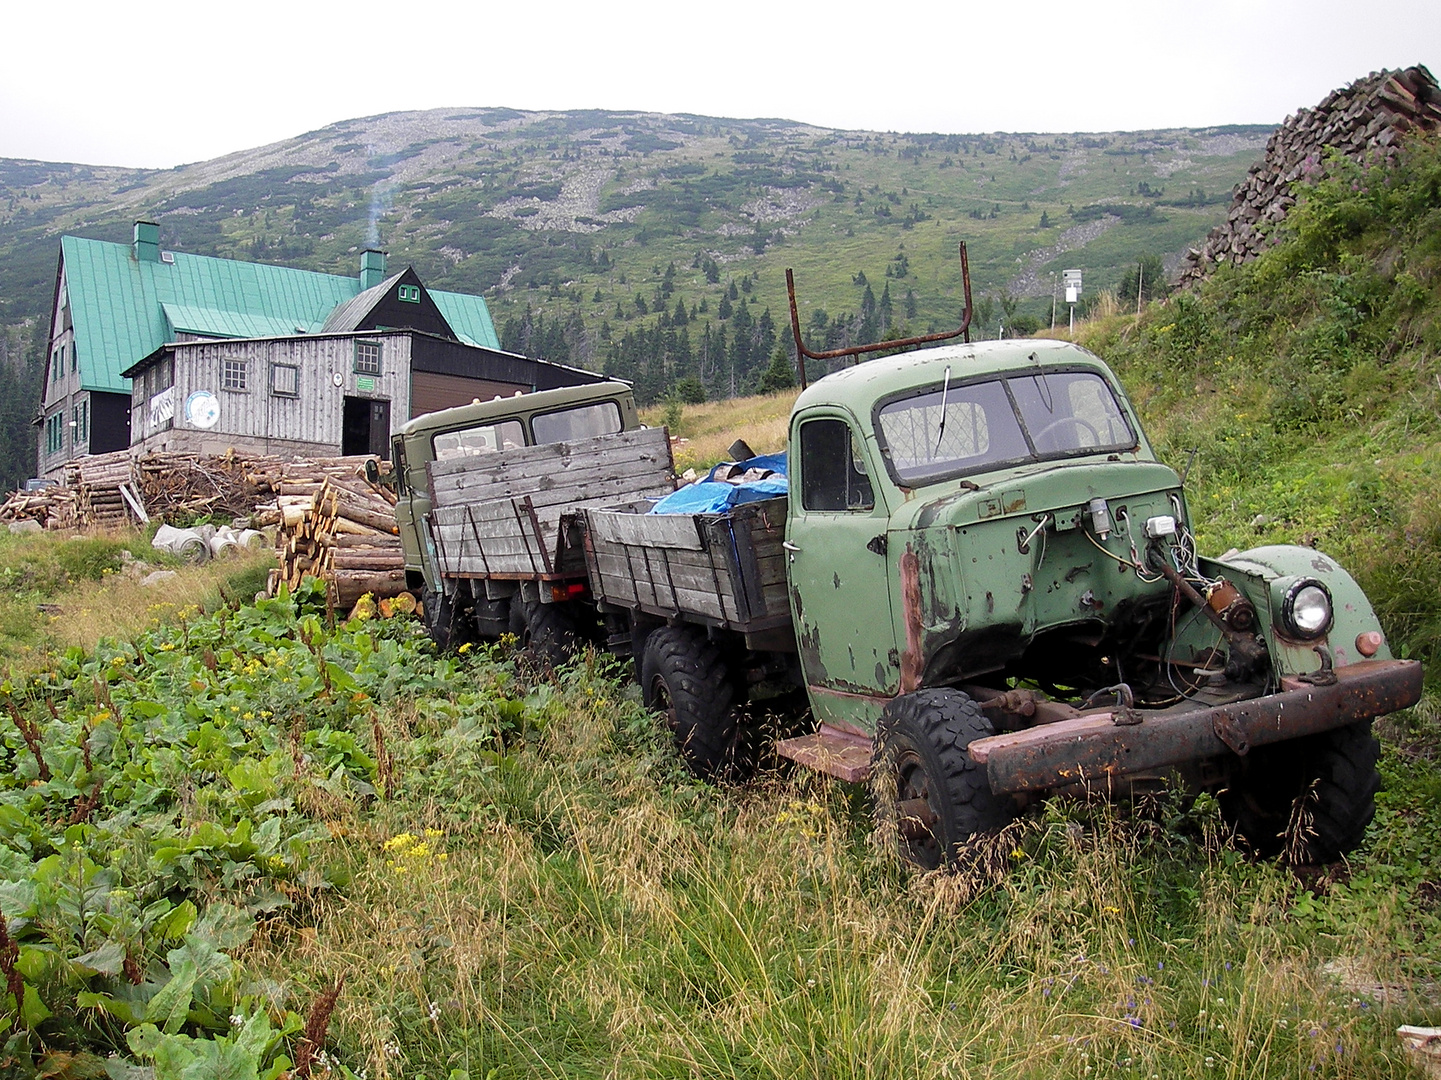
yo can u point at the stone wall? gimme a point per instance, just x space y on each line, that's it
1364 120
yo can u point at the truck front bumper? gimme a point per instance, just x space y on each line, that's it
1095 749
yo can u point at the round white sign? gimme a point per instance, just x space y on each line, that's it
202 409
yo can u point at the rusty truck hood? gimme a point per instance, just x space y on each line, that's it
1026 492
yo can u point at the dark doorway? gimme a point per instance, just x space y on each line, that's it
365 428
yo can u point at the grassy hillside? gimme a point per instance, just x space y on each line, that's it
1307 385
520 205
580 227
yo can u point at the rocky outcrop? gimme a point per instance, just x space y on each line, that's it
1365 120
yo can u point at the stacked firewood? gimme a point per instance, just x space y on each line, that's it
1364 121
333 524
51 508
104 486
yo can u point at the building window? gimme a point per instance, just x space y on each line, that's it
367 358
232 373
284 380
82 433
55 433
74 359
410 293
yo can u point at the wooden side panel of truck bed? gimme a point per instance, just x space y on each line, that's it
724 569
499 515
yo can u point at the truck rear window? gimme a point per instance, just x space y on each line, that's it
481 439
582 422
1000 421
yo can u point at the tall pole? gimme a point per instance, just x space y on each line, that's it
1053 300
1073 320
1140 281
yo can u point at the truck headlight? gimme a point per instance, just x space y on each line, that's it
1306 609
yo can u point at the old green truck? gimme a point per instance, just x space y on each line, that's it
988 588
457 448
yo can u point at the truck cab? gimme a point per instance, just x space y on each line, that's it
996 594
949 494
479 429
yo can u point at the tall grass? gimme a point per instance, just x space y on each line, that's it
706 431
581 908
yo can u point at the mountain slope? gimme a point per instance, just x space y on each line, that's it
579 216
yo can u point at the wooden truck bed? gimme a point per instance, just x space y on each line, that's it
499 515
726 569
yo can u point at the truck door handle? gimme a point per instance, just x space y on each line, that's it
792 548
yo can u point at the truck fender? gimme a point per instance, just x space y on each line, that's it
1267 574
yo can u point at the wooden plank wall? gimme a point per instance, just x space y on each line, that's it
314 414
499 514
727 569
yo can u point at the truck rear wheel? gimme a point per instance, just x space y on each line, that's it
550 631
684 676
926 782
1310 799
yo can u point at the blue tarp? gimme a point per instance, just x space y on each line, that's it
773 462
716 496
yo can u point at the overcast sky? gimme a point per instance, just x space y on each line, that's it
161 82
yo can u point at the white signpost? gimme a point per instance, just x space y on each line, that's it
1072 280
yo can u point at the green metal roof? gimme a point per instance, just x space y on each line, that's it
124 309
468 317
211 322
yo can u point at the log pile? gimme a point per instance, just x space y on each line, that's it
50 508
104 486
333 524
329 521
1364 121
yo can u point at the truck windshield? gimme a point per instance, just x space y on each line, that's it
1048 414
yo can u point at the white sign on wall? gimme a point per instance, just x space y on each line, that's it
202 409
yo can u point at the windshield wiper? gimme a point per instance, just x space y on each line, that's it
941 432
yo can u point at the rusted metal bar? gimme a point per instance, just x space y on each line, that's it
479 544
539 537
1191 593
1093 749
845 755
963 331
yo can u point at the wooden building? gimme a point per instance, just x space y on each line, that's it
316 394
154 349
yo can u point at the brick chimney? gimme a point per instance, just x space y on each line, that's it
372 267
147 241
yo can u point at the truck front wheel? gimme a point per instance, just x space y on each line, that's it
1309 799
684 676
926 782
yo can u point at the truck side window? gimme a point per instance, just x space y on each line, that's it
833 473
398 463
484 439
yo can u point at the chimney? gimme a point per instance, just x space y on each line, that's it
147 241
372 268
